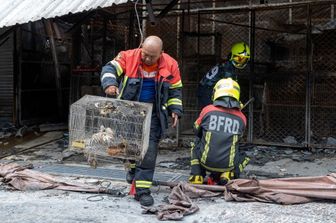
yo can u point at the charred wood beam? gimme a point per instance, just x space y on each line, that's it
167 8
49 31
57 32
3 41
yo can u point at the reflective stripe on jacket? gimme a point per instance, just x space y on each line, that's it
125 71
219 130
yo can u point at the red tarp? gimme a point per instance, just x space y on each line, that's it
21 178
294 190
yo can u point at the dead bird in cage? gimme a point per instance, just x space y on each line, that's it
106 128
105 108
103 137
118 150
143 113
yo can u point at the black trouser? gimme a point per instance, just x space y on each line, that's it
144 171
240 162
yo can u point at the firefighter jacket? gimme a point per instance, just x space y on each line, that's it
218 130
124 71
208 82
218 72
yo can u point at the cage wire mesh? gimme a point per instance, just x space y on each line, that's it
323 105
201 48
235 27
280 46
281 68
105 127
167 29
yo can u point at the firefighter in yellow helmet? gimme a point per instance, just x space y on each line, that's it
218 130
237 59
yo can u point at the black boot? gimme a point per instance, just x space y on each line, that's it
224 178
222 181
145 199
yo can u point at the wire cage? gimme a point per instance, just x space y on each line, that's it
106 127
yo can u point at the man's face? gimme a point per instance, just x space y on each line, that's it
149 55
239 61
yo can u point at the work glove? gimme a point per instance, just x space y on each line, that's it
241 105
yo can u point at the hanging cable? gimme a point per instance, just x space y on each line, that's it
139 26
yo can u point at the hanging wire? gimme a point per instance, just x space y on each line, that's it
117 192
138 20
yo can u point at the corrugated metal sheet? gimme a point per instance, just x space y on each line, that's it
22 11
6 79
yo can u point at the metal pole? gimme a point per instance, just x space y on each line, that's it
198 42
213 29
332 12
19 77
131 29
290 15
16 62
178 33
182 39
144 21
104 42
252 47
309 76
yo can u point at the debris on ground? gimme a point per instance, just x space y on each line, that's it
281 191
266 162
24 178
180 203
290 140
46 138
52 127
296 190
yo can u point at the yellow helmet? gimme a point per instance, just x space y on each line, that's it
240 54
226 87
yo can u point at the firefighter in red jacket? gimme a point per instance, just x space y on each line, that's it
218 130
148 75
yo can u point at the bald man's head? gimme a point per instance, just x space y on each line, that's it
151 50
